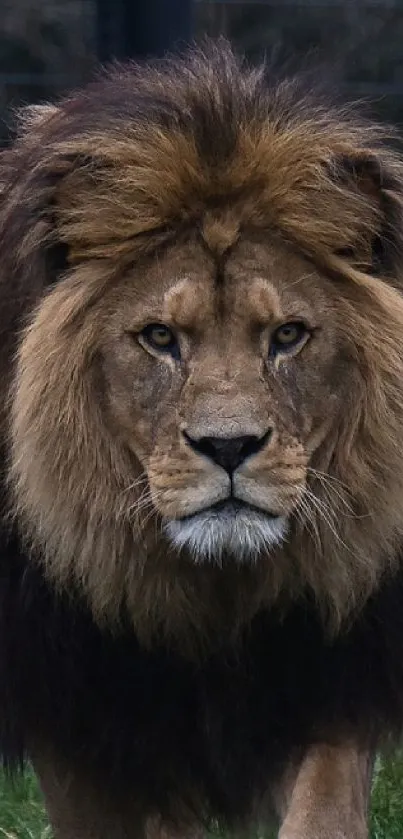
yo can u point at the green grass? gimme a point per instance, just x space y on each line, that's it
22 814
387 800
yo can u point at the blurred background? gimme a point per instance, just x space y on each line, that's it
50 46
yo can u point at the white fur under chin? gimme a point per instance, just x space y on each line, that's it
209 534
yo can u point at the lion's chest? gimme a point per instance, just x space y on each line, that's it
167 729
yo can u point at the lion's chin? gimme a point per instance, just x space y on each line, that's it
232 529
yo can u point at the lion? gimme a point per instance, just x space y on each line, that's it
201 357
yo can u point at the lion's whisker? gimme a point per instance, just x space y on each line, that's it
335 489
306 518
326 514
141 479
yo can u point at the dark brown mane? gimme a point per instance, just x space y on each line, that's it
191 133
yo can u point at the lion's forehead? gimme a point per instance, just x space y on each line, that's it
253 282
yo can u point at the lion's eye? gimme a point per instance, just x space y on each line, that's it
288 336
160 338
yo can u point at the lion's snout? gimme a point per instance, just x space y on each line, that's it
228 452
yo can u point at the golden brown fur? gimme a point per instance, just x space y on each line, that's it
297 207
326 796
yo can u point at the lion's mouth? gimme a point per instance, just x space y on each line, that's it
230 528
229 508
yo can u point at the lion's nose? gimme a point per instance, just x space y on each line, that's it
228 452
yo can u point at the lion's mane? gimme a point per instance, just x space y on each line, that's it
117 171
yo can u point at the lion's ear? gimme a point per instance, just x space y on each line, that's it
32 169
32 121
58 179
376 177
33 116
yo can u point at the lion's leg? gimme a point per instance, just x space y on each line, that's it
326 796
79 809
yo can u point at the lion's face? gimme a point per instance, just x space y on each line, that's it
219 376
